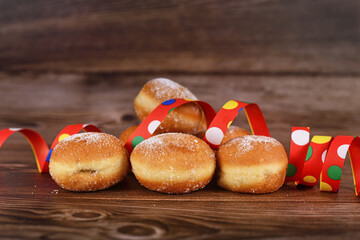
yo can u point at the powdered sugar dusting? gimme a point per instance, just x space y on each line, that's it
159 144
246 143
89 137
152 143
164 89
89 143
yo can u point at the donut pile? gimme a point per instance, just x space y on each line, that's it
175 159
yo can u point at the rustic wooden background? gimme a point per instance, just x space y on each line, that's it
251 36
66 62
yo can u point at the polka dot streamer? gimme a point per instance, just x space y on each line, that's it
227 114
40 148
322 159
313 164
298 153
218 123
154 119
334 161
214 135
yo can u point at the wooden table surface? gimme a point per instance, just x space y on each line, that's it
67 62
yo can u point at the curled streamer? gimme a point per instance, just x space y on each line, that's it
154 119
41 151
322 159
218 123
222 121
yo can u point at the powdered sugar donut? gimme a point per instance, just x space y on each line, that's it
188 118
88 162
173 163
252 164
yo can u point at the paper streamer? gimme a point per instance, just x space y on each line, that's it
218 127
36 141
41 151
322 160
154 119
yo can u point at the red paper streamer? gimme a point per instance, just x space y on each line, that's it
40 149
222 121
322 160
218 123
153 120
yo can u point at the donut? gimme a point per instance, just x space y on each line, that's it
124 136
173 163
233 132
188 118
88 162
252 164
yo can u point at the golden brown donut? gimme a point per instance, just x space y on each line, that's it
173 163
124 136
88 162
188 118
233 132
252 164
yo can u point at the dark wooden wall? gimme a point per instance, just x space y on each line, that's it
249 36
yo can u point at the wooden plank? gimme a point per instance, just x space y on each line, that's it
260 36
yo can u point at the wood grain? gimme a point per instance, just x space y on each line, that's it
32 206
130 211
278 37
